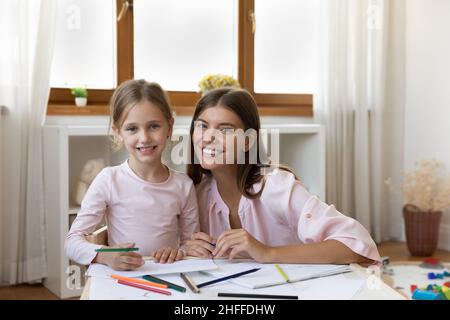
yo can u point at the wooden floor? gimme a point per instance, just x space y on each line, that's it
396 251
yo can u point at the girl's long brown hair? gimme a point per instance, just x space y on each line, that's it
244 106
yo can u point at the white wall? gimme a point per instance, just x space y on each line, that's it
427 88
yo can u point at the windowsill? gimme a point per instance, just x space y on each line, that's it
73 110
103 110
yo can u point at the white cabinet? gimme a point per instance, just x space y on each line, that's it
302 148
67 148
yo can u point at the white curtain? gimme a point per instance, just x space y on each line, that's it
27 30
354 105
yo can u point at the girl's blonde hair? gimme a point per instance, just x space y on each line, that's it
130 93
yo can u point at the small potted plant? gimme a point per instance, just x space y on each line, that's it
217 80
426 195
80 94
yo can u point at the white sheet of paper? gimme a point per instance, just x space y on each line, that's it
338 287
341 286
153 268
269 275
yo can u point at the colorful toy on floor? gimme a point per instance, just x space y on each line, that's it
427 295
432 275
431 263
446 292
431 292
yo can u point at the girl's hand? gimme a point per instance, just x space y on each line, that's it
200 245
241 243
120 261
168 255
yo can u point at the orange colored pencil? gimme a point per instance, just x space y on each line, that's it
145 287
139 281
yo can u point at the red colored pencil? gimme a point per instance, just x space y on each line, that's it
141 286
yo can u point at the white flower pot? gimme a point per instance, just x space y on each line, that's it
81 102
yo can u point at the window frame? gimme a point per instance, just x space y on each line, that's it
61 100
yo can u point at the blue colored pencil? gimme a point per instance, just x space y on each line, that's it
116 249
227 277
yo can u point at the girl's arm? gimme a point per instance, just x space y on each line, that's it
239 241
188 224
328 251
93 208
325 235
189 220
320 225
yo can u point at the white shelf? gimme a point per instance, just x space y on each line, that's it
101 130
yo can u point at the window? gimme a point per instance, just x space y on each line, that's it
177 42
286 47
270 46
84 53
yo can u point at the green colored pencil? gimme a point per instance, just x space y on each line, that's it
170 285
282 273
116 249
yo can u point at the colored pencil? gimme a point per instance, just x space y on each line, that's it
116 249
170 285
256 296
227 277
190 283
139 281
281 271
141 286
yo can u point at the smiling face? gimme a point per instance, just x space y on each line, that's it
215 137
144 132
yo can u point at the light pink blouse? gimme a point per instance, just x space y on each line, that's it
285 214
152 215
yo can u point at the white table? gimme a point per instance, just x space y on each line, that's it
373 289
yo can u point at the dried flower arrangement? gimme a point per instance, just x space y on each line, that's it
214 81
424 188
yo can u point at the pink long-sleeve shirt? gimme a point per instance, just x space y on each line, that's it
152 215
285 214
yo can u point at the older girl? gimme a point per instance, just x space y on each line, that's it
268 216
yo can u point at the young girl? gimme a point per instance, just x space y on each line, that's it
144 202
268 216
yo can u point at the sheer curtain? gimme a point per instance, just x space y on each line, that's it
27 33
354 105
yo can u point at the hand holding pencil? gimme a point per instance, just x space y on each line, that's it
121 257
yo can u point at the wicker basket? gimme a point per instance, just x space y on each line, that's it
422 230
